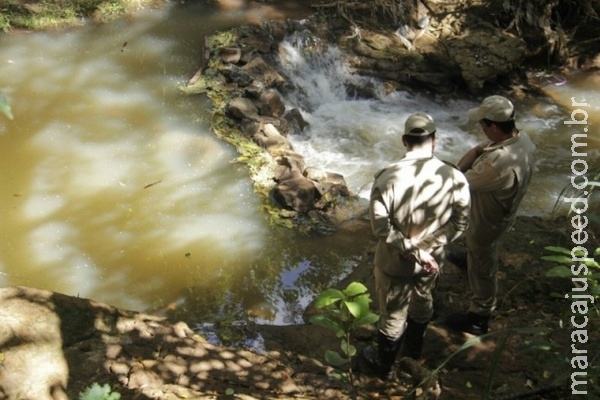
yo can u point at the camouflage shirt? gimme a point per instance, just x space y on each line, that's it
417 204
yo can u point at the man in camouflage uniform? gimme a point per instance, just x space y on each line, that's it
417 205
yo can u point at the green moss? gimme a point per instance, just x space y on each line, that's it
47 14
222 39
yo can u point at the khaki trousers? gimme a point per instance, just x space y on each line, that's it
482 261
403 297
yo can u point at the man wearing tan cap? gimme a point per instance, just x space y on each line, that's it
498 171
417 205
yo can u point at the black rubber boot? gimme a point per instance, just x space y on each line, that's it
381 360
470 323
458 258
413 338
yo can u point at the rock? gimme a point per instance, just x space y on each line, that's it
298 194
249 127
335 178
237 75
269 138
270 104
316 174
242 107
230 55
257 43
296 120
485 54
290 163
264 75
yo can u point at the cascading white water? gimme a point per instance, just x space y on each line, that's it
356 137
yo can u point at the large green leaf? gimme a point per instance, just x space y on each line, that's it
592 264
359 306
353 307
354 289
578 252
558 259
348 349
560 271
339 374
328 297
327 322
365 304
335 359
369 318
558 249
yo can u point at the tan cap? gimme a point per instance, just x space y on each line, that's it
494 108
419 124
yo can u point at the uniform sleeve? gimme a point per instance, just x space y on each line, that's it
458 222
381 226
483 177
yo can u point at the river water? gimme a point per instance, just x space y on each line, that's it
115 188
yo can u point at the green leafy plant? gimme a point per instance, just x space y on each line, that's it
97 392
344 312
4 23
564 258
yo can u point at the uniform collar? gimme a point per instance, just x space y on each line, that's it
503 143
418 154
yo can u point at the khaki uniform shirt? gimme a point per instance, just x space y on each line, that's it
498 180
417 204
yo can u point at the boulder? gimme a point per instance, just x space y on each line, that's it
270 104
296 120
269 138
298 194
486 54
264 75
241 107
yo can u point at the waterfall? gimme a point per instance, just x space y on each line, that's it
355 136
